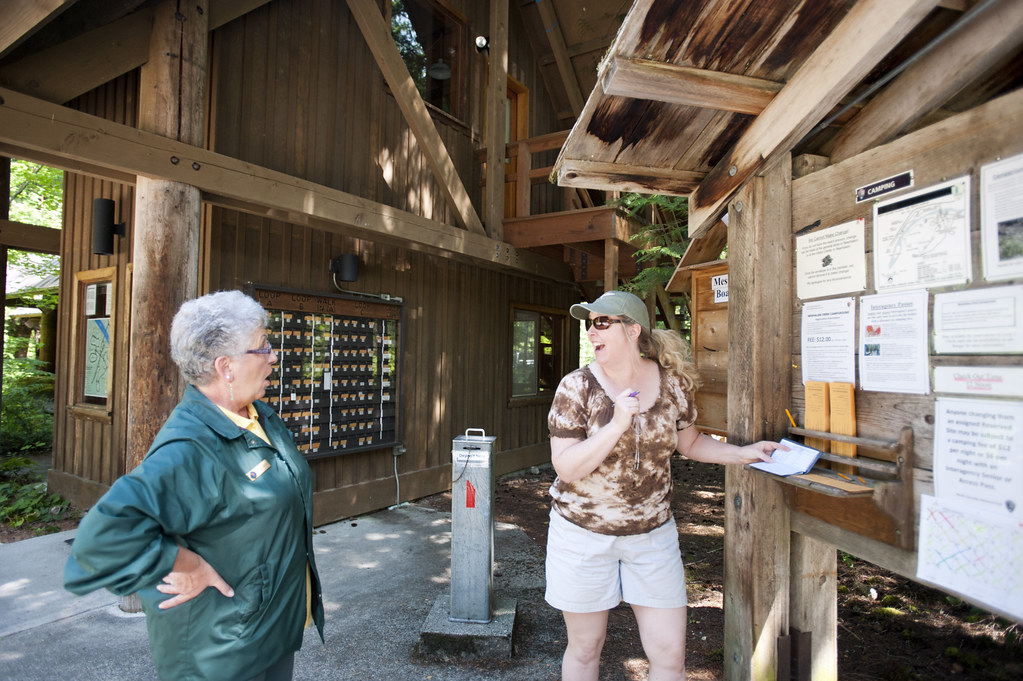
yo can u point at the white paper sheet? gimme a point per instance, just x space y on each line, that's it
978 453
1001 218
986 381
922 239
828 341
797 459
831 261
985 320
893 343
972 553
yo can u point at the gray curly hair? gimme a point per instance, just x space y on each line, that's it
214 325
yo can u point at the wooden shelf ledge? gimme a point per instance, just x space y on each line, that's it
876 501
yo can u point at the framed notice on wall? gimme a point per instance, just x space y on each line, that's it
337 378
94 337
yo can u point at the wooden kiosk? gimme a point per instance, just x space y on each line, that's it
838 141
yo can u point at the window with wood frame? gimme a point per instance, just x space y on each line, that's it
94 303
431 39
538 350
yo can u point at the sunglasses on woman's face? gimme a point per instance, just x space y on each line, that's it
602 323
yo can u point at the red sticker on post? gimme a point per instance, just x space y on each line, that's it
470 495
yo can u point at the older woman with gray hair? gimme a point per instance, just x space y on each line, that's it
214 528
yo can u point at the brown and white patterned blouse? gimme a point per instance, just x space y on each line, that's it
620 498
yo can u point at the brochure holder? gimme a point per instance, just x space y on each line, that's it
874 500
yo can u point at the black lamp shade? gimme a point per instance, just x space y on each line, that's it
103 227
345 267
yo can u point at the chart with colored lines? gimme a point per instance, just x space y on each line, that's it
972 552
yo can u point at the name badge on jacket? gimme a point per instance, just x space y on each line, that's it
257 470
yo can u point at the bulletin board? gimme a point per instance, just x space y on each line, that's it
337 379
908 271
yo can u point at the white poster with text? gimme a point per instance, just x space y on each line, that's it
828 344
978 453
831 261
893 343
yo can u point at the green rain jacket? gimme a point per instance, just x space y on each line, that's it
203 485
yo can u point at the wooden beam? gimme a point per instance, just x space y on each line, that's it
22 18
497 96
24 237
76 66
64 71
843 59
69 164
30 127
567 227
756 578
938 76
702 250
378 36
561 56
626 178
658 81
225 11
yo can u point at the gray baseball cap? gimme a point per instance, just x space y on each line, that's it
617 303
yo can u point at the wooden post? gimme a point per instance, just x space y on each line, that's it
813 589
165 226
756 569
5 214
497 95
610 264
523 185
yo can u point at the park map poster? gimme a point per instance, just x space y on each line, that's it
922 240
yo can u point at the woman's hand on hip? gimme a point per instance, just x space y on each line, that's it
189 577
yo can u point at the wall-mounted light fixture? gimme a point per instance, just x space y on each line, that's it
345 267
103 227
482 43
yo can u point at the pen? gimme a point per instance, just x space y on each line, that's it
633 393
791 420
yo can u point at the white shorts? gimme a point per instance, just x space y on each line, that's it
590 572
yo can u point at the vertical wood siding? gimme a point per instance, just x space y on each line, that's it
88 449
456 339
295 88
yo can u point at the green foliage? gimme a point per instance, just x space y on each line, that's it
24 498
663 242
409 44
37 198
885 611
37 195
27 415
891 600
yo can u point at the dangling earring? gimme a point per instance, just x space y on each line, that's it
230 387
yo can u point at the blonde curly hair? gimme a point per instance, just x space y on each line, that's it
671 351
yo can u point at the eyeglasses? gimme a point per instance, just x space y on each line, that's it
265 350
602 323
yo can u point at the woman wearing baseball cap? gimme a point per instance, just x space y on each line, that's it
614 425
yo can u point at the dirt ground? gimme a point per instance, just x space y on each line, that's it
889 628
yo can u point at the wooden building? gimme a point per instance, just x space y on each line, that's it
251 144
793 123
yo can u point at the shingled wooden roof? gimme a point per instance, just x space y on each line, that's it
694 98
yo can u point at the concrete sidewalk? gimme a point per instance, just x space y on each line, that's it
381 574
